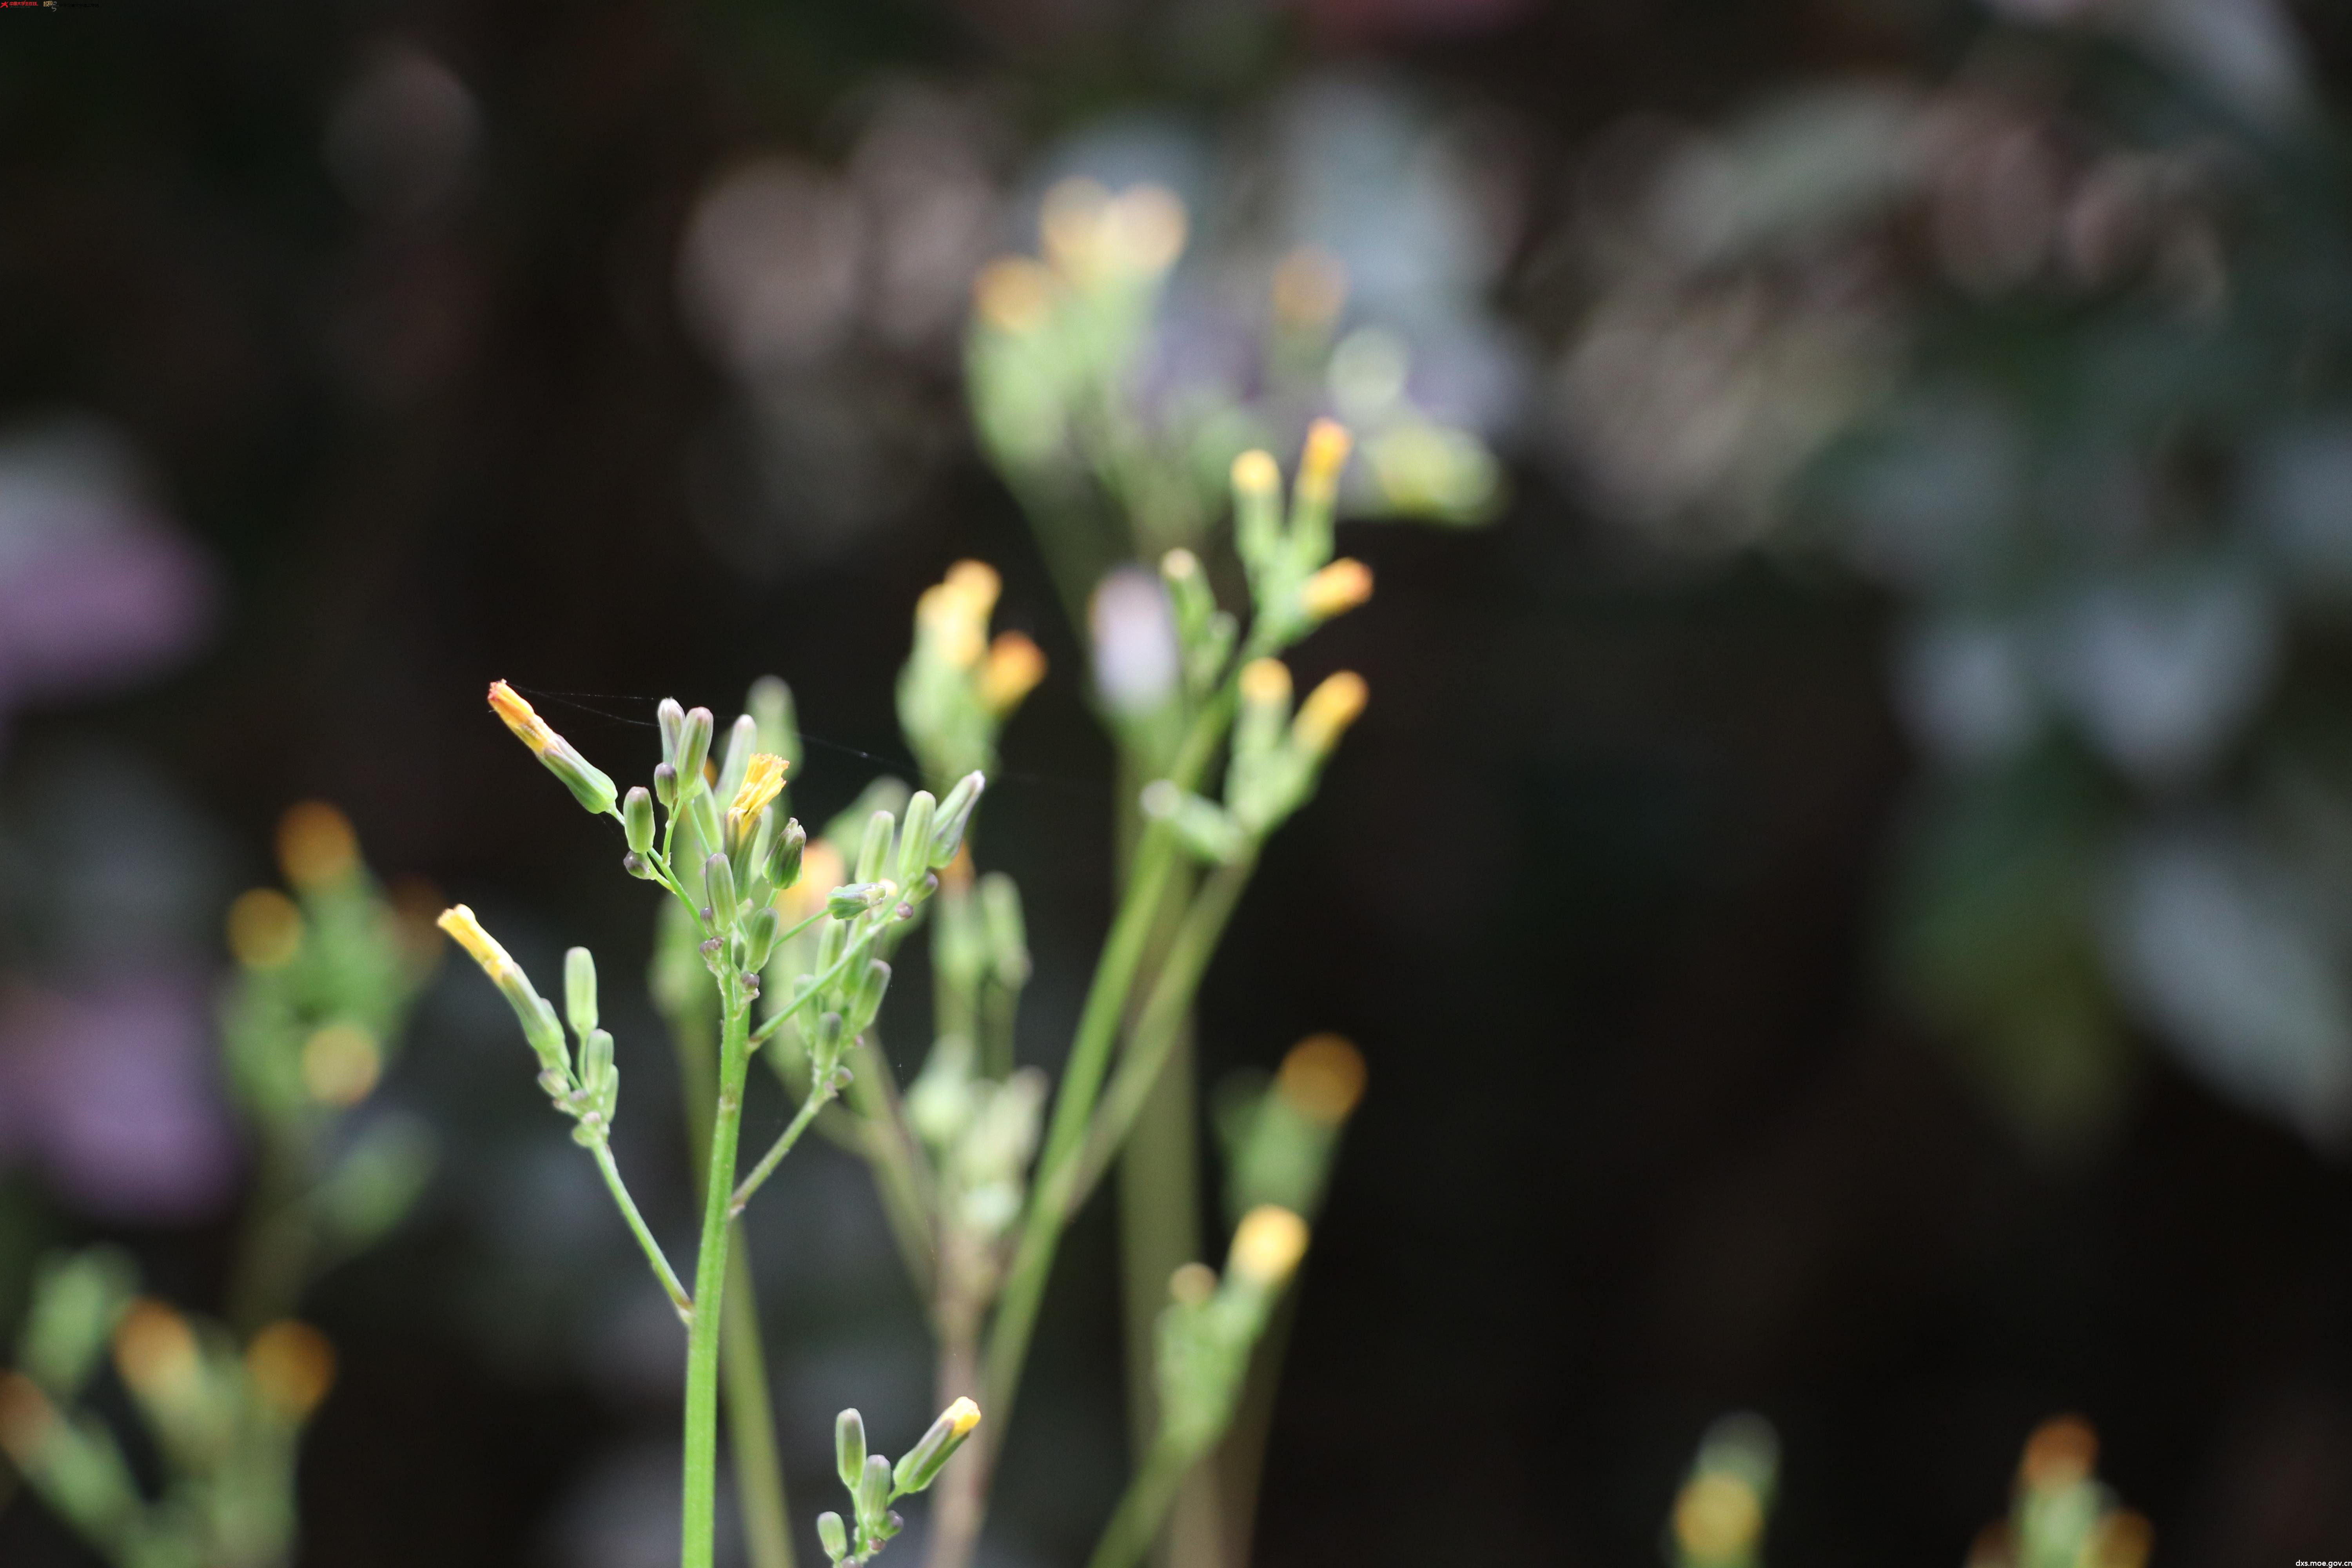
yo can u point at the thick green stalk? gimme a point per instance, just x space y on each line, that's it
1136 1518
701 1469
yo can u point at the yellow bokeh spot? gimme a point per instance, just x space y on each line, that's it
341 1064
156 1350
265 929
2059 1455
1336 589
1193 1284
1013 667
1328 710
26 1418
1717 1518
1264 682
1014 295
316 846
1322 1077
292 1367
1268 1245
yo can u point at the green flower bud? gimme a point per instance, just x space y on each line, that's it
784 855
718 886
874 854
672 725
760 937
637 818
849 1447
924 1461
580 990
770 703
598 1075
874 1492
824 1047
953 815
588 784
1008 939
832 1535
742 740
693 750
867 1002
665 786
915 840
849 901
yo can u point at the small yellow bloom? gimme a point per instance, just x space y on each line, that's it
763 780
316 846
1327 711
292 1367
459 923
265 929
1337 588
1326 453
1015 666
1268 1245
961 1416
528 727
952 617
1322 1077
1193 1284
156 1350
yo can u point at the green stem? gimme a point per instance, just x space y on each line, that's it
1074 1103
612 1172
1136 1521
750 1423
857 950
701 1469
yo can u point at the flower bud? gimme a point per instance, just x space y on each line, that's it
1013 667
1265 707
873 851
867 1002
849 902
718 886
915 840
596 1064
784 855
1008 937
873 1491
638 819
693 751
666 785
292 1367
760 937
1257 507
924 1461
832 1535
1327 711
849 1447
743 741
953 815
580 990
672 719
588 784
1336 589
538 1022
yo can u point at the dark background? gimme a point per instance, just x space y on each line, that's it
1595 885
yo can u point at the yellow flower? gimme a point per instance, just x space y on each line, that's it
156 1350
265 929
962 1416
1015 666
763 780
315 845
1255 474
528 727
1327 452
1264 682
1268 1245
1327 711
952 615
1337 588
459 923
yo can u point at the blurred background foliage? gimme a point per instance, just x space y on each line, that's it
1841 886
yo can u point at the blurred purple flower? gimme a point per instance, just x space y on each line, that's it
111 1093
97 589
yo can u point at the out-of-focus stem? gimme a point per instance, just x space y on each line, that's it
700 1481
1136 1518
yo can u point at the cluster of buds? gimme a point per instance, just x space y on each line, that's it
585 1085
222 1419
1210 1326
1719 1513
874 1483
958 686
2063 1515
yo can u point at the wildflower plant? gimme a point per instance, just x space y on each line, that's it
327 974
787 939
